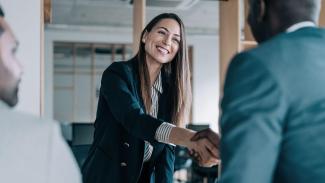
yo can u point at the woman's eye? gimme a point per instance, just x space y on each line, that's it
161 32
176 40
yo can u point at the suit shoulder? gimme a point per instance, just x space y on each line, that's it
120 68
267 47
281 46
18 126
14 114
268 53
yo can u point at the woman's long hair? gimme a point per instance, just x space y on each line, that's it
177 70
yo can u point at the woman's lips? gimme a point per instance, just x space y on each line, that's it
162 50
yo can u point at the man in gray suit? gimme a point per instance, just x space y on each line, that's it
273 121
32 150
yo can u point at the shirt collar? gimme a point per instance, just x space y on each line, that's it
300 25
3 105
157 85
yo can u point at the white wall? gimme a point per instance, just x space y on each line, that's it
205 80
24 18
205 74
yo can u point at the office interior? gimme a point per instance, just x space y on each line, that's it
65 45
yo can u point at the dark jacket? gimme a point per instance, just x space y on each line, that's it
273 120
121 127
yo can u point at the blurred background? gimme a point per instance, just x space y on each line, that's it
65 45
86 36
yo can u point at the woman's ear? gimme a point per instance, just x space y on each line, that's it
144 37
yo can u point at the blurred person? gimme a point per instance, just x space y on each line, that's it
273 109
32 149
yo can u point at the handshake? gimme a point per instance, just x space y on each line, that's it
204 148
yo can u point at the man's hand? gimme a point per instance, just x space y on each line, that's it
205 144
209 134
214 139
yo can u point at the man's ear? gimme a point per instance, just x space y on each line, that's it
262 11
144 37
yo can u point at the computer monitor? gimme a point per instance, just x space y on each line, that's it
197 127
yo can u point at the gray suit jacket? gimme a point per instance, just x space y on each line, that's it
33 151
273 121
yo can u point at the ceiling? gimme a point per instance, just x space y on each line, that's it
199 16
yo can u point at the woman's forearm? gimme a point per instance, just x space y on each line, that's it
181 136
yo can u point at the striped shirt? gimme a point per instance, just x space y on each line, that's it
163 131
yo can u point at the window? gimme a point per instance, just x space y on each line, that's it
78 68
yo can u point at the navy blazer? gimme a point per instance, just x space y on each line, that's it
122 126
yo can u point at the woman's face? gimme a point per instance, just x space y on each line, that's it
162 42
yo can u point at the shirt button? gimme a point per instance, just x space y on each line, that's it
123 164
126 145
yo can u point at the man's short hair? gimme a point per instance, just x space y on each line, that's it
2 14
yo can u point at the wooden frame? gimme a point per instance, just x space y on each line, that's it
322 15
47 11
139 12
229 35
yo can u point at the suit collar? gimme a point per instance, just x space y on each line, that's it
164 107
300 25
3 105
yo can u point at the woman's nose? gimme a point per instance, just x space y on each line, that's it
168 40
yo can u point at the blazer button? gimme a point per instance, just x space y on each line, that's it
126 145
123 164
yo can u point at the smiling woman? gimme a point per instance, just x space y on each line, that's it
143 105
163 44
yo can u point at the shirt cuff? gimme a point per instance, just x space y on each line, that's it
163 132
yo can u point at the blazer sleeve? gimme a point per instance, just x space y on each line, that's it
253 110
125 106
164 167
